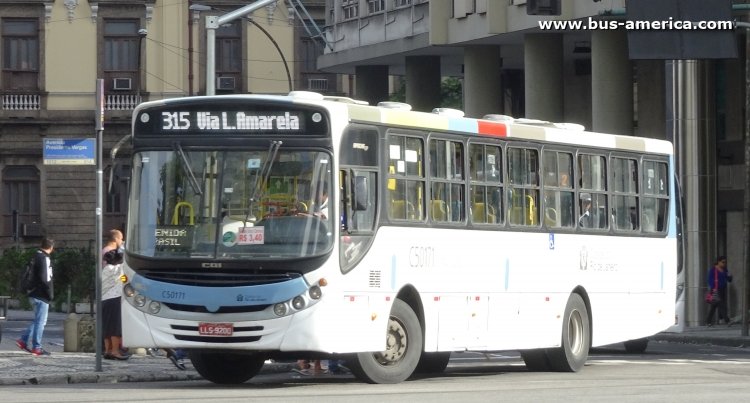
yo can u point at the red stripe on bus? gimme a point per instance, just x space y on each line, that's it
492 128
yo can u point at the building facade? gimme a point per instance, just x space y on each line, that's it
53 51
510 64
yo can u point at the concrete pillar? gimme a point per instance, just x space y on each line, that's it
372 84
423 82
611 83
650 99
543 81
690 126
482 89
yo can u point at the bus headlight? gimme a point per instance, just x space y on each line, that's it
128 290
154 307
140 300
298 303
279 309
315 292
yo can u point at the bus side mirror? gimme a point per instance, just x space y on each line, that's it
361 193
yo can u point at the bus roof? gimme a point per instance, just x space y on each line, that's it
522 129
400 115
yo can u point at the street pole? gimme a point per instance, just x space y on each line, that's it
746 204
99 225
212 24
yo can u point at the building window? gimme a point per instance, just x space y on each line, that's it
229 56
401 3
121 46
349 9
375 6
20 53
20 193
121 54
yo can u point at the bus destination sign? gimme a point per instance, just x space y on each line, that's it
229 121
199 120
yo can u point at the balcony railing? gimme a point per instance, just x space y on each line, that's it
121 102
21 102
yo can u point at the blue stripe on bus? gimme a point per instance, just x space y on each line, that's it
507 273
227 296
393 272
662 276
463 125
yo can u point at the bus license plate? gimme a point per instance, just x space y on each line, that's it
215 329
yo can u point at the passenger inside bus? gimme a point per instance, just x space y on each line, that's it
586 220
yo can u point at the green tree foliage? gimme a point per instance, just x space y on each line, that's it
72 267
451 93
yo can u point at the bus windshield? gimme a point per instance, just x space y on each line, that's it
267 204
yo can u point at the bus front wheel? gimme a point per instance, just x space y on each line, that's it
403 349
226 368
576 338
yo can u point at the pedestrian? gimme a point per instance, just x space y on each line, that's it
42 292
177 356
309 367
111 295
336 367
719 279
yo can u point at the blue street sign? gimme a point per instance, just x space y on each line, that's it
69 151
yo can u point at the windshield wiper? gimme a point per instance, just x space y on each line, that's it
186 167
264 173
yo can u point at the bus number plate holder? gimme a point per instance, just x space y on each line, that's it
215 329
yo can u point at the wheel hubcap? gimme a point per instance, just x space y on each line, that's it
575 332
395 343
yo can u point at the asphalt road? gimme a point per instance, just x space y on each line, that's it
668 372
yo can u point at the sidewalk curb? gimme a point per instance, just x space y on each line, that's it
124 374
726 341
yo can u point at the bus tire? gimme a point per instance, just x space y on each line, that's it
403 350
226 368
637 346
576 338
433 363
536 360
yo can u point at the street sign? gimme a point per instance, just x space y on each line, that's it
69 151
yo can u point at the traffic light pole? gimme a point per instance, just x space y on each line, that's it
212 24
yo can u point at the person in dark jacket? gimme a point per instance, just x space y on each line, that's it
719 278
40 296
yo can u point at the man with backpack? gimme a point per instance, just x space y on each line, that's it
40 294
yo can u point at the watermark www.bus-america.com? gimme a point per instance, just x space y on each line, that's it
669 24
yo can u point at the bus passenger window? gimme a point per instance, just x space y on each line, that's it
405 181
486 190
523 166
655 198
446 180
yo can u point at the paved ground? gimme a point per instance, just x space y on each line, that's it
19 367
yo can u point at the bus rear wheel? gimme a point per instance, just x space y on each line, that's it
403 349
225 367
576 338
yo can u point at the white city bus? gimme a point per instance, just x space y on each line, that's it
442 234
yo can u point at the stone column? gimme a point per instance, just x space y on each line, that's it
482 90
543 81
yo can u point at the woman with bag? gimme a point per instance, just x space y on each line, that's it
718 281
